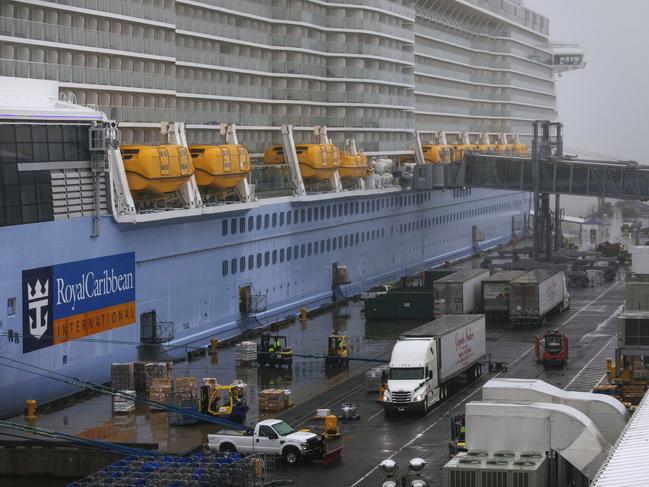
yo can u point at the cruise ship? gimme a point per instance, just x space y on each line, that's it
93 269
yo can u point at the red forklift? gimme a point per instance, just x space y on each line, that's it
551 349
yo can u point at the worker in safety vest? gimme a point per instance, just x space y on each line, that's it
278 345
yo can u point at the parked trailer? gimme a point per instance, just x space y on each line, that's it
425 359
495 293
537 296
459 293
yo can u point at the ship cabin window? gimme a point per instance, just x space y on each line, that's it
302 250
295 217
309 214
251 262
274 220
335 243
266 220
242 264
316 250
11 307
251 223
266 258
242 225
373 235
296 253
345 209
340 242
274 256
322 246
309 249
346 241
363 207
258 222
322 213
281 219
356 238
362 237
258 260
233 226
233 265
340 209
316 214
288 217
328 211
281 255
335 207
302 215
225 267
289 253
328 245
224 227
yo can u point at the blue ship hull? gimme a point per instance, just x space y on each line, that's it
185 273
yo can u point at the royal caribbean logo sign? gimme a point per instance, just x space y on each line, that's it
73 300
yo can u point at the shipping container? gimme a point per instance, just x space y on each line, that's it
495 293
459 293
537 296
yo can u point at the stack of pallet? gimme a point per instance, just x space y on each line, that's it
275 400
159 391
122 405
121 376
157 370
245 353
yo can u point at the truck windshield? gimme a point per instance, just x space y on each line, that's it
410 373
283 429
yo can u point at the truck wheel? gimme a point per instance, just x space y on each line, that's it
227 448
291 455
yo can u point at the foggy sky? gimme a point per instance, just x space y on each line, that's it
604 107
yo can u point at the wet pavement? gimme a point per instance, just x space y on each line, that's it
588 323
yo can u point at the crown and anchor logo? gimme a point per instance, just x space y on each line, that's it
37 298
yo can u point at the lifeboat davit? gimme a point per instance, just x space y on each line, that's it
220 167
317 162
153 172
353 166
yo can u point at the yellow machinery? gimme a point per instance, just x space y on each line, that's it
486 148
337 351
274 350
627 378
154 172
435 153
226 402
220 167
353 166
460 149
505 149
317 162
520 150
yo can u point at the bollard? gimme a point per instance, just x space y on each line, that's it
303 316
213 344
31 410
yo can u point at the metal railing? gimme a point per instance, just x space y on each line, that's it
138 9
84 74
72 35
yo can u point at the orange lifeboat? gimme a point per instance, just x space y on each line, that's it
220 167
153 172
353 166
317 162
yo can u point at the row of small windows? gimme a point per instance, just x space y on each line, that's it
243 224
235 265
454 217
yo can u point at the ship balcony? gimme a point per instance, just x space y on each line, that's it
128 8
41 31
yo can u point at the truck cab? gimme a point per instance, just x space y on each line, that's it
412 378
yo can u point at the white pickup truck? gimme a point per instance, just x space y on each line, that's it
271 436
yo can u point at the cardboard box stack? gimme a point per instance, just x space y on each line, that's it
157 370
246 352
121 376
275 400
159 391
139 377
122 405
185 389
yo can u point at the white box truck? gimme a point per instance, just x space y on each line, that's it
460 292
426 358
537 296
